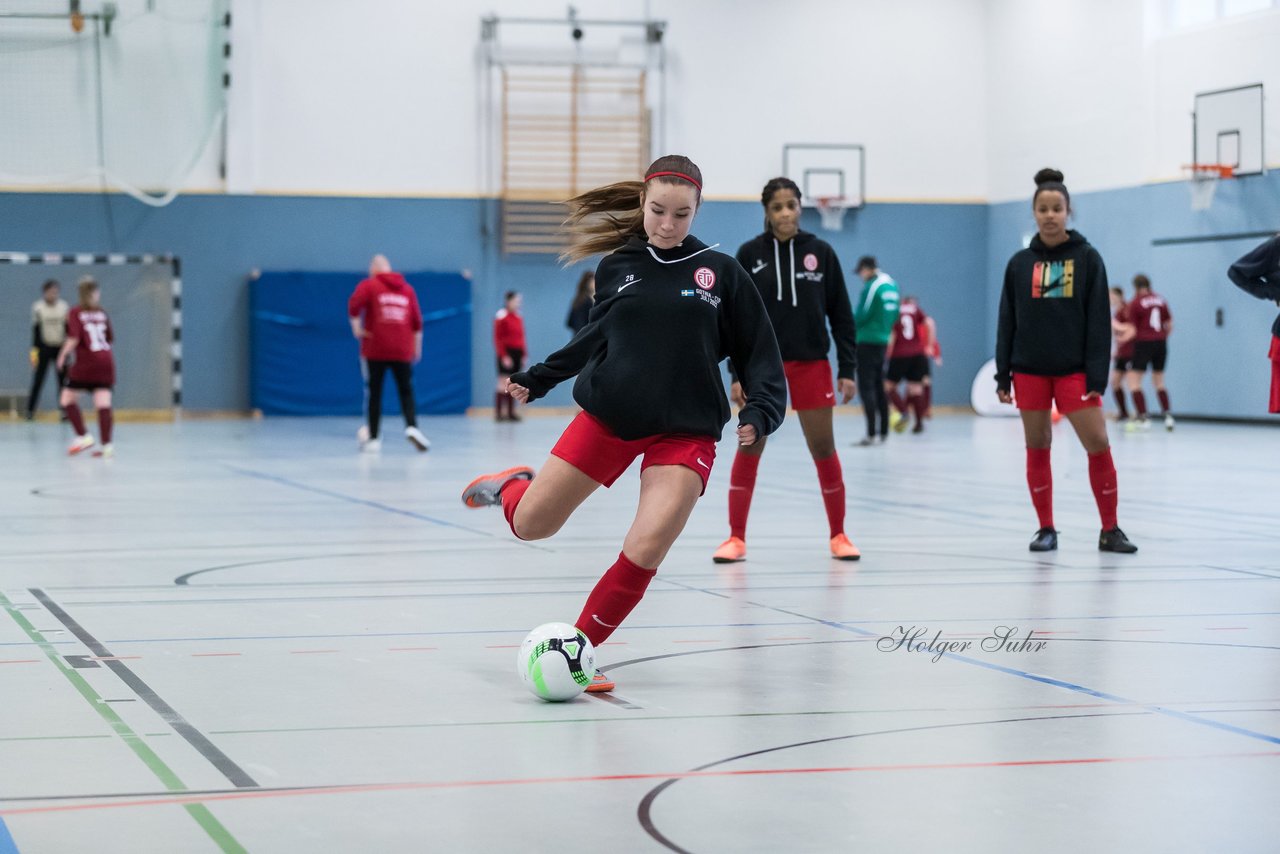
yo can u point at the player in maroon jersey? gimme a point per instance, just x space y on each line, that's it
386 320
508 340
1122 332
933 349
1152 323
93 369
908 360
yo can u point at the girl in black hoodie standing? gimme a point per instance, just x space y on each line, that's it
668 309
1054 344
800 280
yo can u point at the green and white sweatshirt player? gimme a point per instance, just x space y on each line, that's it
877 310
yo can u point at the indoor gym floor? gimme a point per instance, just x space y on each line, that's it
245 636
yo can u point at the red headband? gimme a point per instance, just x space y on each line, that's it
681 175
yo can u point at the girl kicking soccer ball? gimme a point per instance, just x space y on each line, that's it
668 309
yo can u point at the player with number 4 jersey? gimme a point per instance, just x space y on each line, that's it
93 368
1152 323
909 348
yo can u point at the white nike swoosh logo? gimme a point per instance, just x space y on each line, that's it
760 265
704 465
830 394
629 284
602 622
1040 489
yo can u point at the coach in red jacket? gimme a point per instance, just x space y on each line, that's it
387 322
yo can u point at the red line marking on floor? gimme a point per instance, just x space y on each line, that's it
696 641
212 654
1226 628
602 778
411 648
21 661
114 657
312 651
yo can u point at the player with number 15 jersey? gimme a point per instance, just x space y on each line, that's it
93 367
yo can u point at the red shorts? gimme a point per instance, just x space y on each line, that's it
593 449
809 384
1031 391
1275 375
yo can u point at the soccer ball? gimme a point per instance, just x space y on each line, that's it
556 662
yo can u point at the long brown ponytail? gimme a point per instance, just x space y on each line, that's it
604 219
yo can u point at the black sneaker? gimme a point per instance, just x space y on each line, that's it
1045 540
865 442
1115 541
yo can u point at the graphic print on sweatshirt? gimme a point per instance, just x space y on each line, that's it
1053 279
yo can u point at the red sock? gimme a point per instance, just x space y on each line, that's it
511 495
499 403
617 592
73 415
1102 477
742 482
1164 399
105 421
928 398
895 397
1140 404
1119 395
1040 482
918 406
831 478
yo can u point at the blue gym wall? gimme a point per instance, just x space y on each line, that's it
951 255
1213 370
936 251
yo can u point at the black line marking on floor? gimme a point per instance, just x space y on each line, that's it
649 658
1242 571
644 812
615 700
233 772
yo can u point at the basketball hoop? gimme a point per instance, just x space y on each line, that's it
832 209
1204 181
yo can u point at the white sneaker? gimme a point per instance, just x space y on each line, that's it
415 437
82 443
372 446
362 435
1144 424
1168 422
107 451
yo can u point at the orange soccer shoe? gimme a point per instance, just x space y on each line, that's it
731 550
842 549
485 491
600 684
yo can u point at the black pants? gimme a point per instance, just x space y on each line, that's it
45 356
403 373
871 386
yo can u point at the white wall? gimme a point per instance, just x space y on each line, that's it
1079 86
381 97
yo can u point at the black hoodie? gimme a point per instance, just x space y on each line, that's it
1055 318
1258 273
648 361
803 288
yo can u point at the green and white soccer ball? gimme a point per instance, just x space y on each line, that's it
556 662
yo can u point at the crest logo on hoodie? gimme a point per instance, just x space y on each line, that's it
811 262
705 278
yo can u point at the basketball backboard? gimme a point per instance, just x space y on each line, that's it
824 170
1227 129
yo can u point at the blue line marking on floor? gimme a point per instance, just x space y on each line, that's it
7 845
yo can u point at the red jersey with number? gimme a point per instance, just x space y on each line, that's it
1124 349
94 364
910 332
392 317
508 332
1150 316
